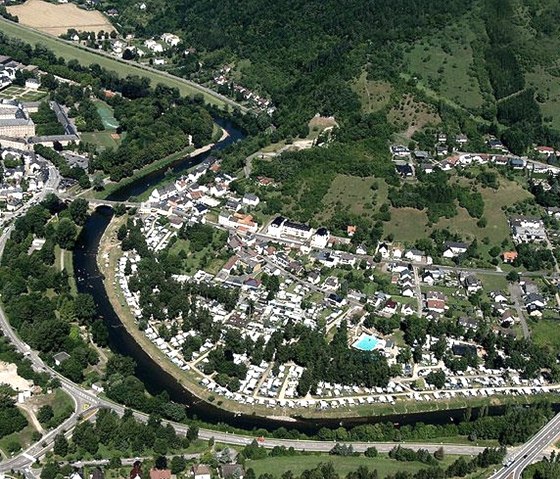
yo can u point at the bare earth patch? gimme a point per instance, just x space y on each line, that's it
57 19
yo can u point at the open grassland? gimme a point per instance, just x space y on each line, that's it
547 87
411 115
374 95
546 333
57 19
354 195
70 51
101 139
24 437
444 62
408 224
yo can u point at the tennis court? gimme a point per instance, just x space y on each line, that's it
106 114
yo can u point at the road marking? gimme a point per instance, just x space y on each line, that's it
28 456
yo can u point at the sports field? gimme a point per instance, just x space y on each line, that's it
71 51
57 19
106 114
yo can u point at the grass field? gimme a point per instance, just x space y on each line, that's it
546 333
353 194
22 93
57 19
374 95
444 62
408 224
548 86
411 115
194 258
86 57
23 437
101 139
342 465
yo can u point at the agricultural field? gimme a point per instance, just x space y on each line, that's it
57 19
21 93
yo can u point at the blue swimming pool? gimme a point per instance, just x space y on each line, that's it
366 343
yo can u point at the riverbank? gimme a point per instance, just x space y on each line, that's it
224 135
108 256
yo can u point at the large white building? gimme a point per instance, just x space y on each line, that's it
15 121
282 227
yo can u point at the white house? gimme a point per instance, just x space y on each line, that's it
320 238
201 471
251 200
171 39
453 249
32 84
153 46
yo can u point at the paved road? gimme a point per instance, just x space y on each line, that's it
530 451
134 64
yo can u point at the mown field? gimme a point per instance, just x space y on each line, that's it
57 19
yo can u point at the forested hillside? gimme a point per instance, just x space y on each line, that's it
306 54
298 50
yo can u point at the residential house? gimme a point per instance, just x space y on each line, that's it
452 249
472 284
517 163
59 358
468 323
414 255
527 228
509 256
250 199
201 471
320 238
160 473
232 471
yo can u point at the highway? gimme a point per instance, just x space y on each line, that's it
530 452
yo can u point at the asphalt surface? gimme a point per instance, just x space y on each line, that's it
530 452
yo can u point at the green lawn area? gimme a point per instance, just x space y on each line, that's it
546 333
64 259
492 282
101 139
355 195
23 437
86 57
548 86
342 465
196 259
22 93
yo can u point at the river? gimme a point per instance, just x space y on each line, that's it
156 380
